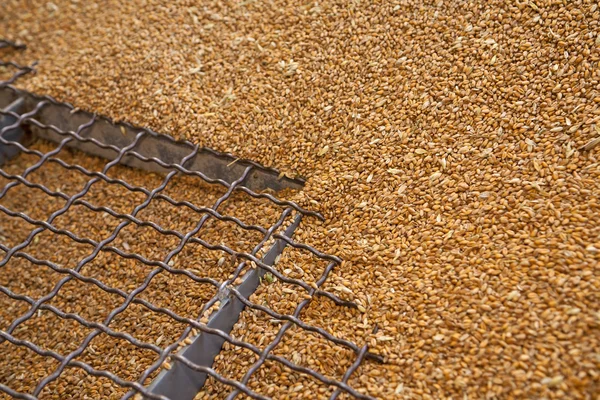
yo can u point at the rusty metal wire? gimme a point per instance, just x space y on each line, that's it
223 287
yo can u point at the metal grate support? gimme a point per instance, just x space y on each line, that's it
24 116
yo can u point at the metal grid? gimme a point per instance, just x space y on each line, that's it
233 298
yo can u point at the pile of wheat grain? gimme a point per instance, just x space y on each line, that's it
444 142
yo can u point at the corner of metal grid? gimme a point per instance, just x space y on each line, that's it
184 383
48 119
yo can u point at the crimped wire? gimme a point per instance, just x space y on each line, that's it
265 353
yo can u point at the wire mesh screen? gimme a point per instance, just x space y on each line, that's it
119 282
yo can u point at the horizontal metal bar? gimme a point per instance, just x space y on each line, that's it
154 145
